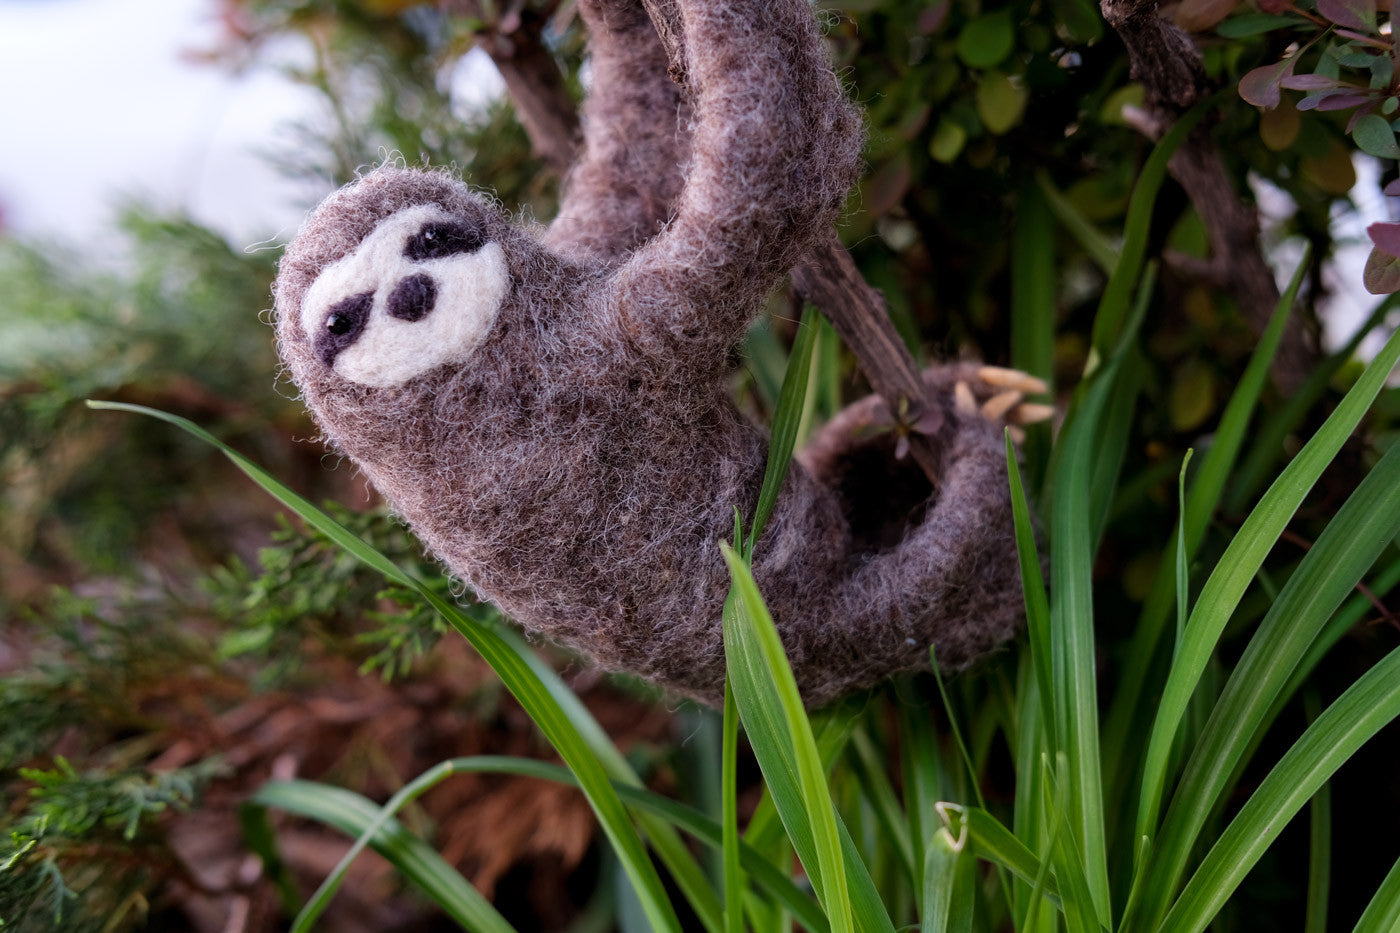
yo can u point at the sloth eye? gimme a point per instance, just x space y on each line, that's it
443 238
339 324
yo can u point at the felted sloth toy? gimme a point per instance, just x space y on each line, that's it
548 408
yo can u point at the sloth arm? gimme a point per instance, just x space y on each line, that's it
635 141
775 148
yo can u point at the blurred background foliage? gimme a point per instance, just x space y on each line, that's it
170 642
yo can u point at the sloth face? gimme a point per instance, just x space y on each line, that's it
422 290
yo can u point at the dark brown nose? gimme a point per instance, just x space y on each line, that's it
413 298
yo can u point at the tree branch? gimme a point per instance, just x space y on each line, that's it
532 78
1168 63
829 279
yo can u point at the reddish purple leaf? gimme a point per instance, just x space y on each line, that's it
1386 237
1359 15
1392 189
1358 36
1309 82
1338 101
1382 273
1260 87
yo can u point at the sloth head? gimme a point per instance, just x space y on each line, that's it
394 277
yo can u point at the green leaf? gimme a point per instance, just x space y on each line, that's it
785 424
986 40
1382 914
1001 101
355 815
733 867
1365 708
1253 24
948 881
1374 136
770 707
1216 603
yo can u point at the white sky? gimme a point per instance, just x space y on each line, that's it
98 102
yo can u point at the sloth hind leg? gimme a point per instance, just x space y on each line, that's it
932 567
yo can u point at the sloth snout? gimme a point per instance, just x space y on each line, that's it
413 298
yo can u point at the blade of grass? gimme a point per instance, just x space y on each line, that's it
1345 550
781 736
947 883
995 843
869 767
1382 914
733 871
1032 588
1319 844
515 673
1073 662
1182 599
1123 279
1202 497
686 818
1076 901
786 421
414 859
919 762
1267 442
1366 707
1238 566
1099 247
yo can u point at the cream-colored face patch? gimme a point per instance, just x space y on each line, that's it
421 291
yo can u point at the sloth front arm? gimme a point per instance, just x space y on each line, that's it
774 151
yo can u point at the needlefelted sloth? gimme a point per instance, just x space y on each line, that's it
548 409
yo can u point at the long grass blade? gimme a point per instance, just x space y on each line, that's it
781 735
1123 280
1347 548
786 421
515 673
1203 495
415 860
1382 914
1238 566
1319 847
1032 588
1364 709
1267 441
733 870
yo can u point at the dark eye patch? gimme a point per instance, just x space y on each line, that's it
344 323
441 238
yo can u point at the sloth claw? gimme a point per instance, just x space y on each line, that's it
1002 378
1031 412
962 396
996 407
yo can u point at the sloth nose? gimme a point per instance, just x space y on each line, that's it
413 298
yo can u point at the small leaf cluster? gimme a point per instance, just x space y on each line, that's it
1344 60
305 587
78 852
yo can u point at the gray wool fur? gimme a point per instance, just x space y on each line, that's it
581 461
